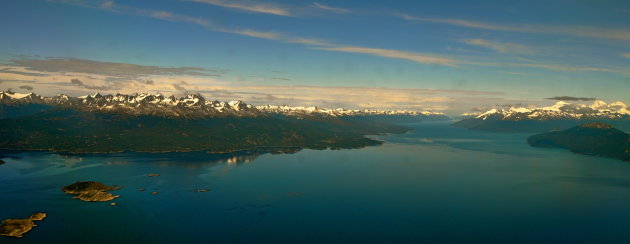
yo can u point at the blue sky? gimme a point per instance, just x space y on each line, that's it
439 55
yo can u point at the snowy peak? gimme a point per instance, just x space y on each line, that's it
599 103
303 111
561 110
239 105
191 105
556 107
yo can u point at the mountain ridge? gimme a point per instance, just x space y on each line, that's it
190 106
559 116
593 138
560 110
154 123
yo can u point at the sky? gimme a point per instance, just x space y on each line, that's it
448 56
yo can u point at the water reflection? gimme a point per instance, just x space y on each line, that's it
440 133
38 160
392 193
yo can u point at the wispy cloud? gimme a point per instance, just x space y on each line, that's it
570 98
310 42
250 6
416 57
322 96
331 9
275 8
179 87
319 44
627 55
91 87
259 34
458 22
10 71
547 66
280 78
62 80
26 87
577 31
107 4
515 73
123 70
500 47
66 74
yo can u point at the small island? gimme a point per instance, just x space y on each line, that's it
19 227
594 138
91 191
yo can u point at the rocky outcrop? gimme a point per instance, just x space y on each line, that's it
91 191
19 227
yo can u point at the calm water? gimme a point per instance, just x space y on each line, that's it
438 184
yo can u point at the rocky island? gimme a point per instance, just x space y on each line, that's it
91 191
594 138
19 227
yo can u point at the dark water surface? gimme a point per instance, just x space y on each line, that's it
437 184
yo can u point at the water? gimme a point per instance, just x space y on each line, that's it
437 184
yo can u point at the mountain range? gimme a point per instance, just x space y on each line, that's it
561 115
191 106
156 123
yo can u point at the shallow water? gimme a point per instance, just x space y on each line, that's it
435 184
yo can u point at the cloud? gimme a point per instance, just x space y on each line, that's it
515 73
179 87
389 53
313 43
9 71
328 46
250 6
274 8
331 9
627 55
322 96
91 87
547 66
105 68
107 4
569 98
500 47
281 78
577 31
259 34
26 87
145 81
266 98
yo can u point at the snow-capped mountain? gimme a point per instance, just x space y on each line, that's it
192 105
298 111
559 111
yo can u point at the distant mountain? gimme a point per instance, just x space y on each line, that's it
591 138
559 116
156 123
339 112
190 106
